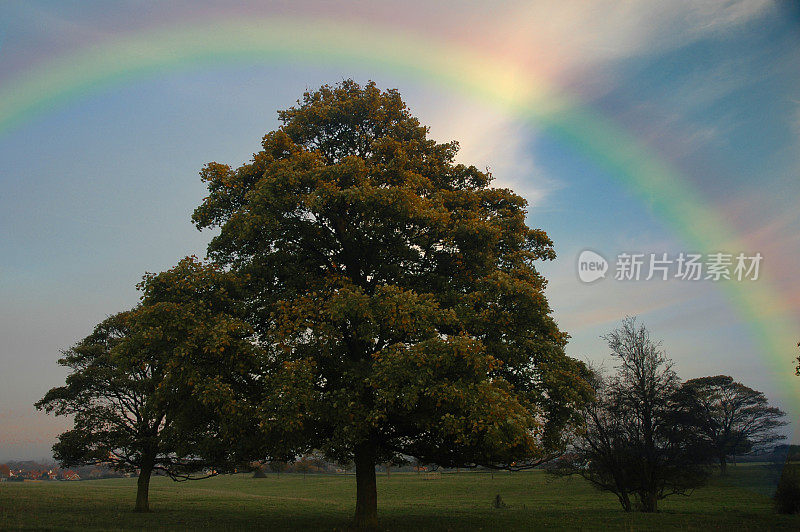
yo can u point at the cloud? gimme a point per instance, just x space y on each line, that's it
490 140
768 225
579 307
671 131
609 29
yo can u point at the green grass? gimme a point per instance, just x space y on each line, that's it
456 501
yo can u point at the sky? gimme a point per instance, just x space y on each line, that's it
631 127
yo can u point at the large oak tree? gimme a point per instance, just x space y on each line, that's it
395 291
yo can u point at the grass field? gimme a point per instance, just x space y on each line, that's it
456 501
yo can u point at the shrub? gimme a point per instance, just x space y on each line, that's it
787 494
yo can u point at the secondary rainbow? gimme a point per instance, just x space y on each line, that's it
500 81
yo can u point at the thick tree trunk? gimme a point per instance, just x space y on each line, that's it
723 465
366 517
649 502
143 485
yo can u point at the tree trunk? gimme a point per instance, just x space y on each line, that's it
649 501
143 484
625 501
366 517
622 493
723 465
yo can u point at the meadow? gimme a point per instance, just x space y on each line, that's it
406 501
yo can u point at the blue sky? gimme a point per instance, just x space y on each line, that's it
99 190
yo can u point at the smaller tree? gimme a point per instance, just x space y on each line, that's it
633 444
151 389
731 417
787 492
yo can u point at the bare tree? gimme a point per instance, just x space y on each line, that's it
634 444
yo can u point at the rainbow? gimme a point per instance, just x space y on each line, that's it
520 91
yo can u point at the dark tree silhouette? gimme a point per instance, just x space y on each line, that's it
733 418
634 444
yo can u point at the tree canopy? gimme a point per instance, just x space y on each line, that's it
151 389
732 417
394 291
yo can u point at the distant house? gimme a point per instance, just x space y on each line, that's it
71 475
